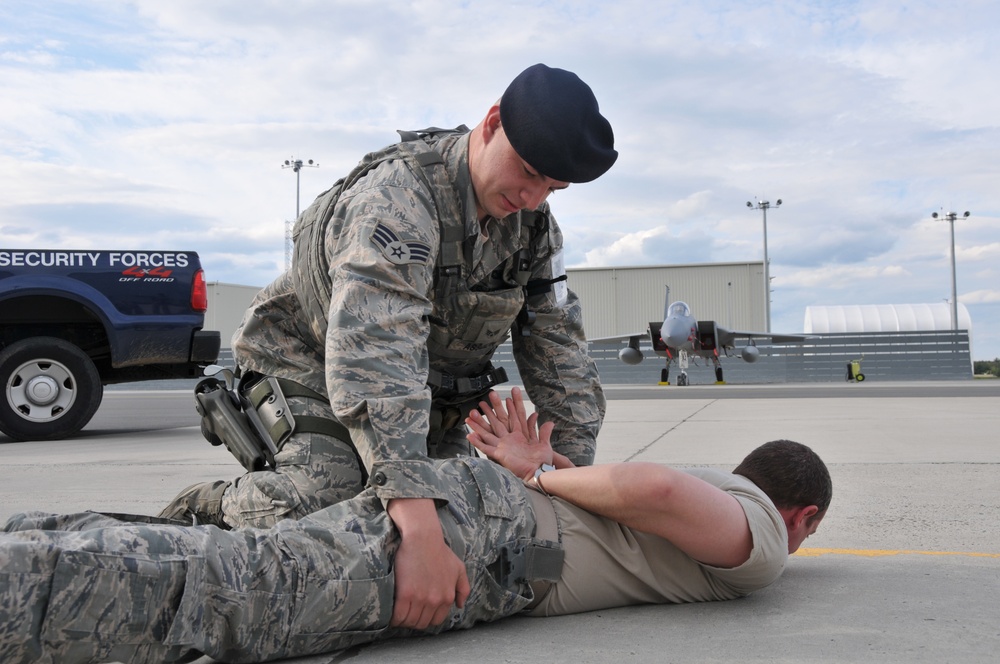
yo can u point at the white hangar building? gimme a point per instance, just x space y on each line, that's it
884 318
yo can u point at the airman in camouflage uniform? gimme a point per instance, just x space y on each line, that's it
407 276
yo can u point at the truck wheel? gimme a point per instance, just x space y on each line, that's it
51 389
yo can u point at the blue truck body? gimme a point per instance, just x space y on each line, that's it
74 321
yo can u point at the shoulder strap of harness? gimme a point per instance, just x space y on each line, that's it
540 286
451 265
450 268
530 234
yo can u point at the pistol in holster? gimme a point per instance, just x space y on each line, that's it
229 418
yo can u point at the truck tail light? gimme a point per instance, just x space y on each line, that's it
199 292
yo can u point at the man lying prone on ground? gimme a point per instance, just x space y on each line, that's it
92 587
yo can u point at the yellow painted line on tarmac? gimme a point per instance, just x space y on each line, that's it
875 553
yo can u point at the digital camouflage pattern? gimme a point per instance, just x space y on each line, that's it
312 470
384 327
90 587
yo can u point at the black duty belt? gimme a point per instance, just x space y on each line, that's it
466 385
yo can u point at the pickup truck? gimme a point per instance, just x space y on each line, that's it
72 322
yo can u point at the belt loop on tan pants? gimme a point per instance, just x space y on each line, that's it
546 529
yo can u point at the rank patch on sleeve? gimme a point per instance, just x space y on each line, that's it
398 251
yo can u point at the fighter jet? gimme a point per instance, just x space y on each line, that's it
681 335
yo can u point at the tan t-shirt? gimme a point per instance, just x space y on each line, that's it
609 565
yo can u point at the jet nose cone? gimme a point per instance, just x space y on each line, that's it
678 334
676 340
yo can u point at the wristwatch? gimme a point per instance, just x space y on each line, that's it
544 468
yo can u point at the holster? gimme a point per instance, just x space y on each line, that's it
225 421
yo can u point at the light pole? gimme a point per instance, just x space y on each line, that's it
951 216
296 165
763 207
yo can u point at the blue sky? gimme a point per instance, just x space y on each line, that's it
163 125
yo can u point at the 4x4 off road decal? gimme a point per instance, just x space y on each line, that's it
159 274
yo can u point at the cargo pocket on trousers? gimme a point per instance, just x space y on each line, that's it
338 613
112 599
261 499
230 624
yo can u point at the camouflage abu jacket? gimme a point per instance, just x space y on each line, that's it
368 324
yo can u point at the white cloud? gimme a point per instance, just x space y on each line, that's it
980 297
978 253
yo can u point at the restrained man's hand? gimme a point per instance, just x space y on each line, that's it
505 434
430 578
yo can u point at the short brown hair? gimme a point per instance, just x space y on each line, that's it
791 474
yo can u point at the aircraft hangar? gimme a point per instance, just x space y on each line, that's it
620 300
226 305
884 318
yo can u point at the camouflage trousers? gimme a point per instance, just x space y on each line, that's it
312 471
91 587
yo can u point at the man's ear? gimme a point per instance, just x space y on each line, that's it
801 515
491 123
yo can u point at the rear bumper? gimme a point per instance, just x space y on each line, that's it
205 345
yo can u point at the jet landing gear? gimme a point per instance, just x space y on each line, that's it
682 376
718 371
682 361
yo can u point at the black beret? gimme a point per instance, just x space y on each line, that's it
552 120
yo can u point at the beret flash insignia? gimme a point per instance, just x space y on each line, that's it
400 252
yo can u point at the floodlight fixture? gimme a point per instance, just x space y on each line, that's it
296 166
763 207
950 217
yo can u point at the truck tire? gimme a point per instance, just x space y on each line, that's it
51 389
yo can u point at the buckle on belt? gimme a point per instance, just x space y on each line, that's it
448 383
487 380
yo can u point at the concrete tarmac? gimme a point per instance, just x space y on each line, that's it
904 568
